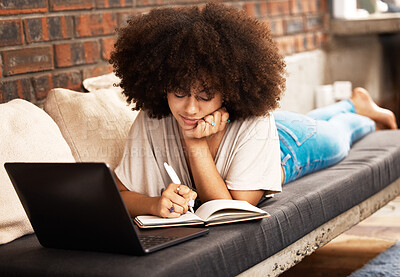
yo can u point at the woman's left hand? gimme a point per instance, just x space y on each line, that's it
209 125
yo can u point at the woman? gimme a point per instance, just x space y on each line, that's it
206 82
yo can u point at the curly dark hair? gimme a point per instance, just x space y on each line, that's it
170 48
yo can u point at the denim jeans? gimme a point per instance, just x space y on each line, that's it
319 139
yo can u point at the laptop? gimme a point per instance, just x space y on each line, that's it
78 206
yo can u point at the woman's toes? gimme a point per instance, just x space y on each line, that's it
364 105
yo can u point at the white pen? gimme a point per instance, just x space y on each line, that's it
175 179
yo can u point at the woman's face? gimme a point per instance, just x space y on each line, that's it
189 107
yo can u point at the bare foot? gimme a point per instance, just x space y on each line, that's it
364 105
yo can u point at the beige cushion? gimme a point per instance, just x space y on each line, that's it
27 134
95 124
106 81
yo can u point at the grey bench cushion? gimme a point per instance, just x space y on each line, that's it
373 163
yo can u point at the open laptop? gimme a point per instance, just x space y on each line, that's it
78 206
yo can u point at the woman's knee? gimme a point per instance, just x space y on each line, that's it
333 145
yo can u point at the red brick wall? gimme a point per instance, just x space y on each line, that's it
58 43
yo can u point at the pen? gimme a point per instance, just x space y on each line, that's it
175 179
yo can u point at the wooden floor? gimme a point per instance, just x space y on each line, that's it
354 248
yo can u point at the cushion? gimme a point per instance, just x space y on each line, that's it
95 124
27 134
106 81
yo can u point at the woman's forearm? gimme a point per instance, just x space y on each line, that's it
136 203
209 184
208 181
139 204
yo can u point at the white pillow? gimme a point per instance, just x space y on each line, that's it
27 134
95 124
106 81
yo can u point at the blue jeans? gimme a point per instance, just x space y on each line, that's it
319 139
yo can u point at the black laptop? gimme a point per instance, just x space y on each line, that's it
78 206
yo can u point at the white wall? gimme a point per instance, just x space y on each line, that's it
356 59
306 71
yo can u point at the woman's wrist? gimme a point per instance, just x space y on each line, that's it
152 204
195 142
197 147
140 204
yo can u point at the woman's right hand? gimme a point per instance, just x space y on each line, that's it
174 201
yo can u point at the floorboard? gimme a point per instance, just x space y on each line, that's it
354 248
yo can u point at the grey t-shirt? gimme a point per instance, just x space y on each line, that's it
248 157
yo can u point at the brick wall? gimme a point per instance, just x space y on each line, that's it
58 43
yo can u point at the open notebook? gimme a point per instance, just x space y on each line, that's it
213 212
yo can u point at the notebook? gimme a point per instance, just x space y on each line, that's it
78 206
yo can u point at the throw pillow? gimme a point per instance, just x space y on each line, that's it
95 124
27 134
106 81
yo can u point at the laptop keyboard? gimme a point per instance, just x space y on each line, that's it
150 241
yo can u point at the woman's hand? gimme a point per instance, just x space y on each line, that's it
209 125
174 201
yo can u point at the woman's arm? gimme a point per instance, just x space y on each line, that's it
139 204
208 181
209 184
